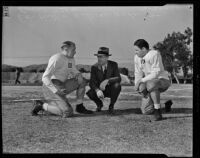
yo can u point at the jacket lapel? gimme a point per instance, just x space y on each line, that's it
109 68
100 68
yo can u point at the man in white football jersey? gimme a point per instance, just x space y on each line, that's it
150 77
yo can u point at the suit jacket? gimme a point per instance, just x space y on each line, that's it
97 74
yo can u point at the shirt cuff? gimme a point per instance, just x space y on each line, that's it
54 90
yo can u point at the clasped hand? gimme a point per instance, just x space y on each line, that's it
100 94
61 92
137 85
79 77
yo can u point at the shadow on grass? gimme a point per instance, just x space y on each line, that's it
129 111
135 111
116 113
173 117
180 110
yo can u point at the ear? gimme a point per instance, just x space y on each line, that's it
64 47
144 49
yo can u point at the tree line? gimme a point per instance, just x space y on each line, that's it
175 50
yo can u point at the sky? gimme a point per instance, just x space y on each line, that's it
32 34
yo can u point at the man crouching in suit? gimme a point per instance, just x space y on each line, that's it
105 80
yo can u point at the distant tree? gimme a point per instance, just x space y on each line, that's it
33 70
12 69
8 68
20 69
41 70
175 52
82 70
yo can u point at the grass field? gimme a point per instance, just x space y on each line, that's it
126 132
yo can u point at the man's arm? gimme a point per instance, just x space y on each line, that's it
138 72
74 69
93 79
46 78
117 77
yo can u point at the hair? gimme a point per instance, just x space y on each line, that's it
67 44
141 43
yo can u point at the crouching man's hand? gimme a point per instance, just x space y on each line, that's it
79 77
61 92
141 88
100 94
138 85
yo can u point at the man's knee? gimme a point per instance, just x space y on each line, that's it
160 85
116 87
114 91
64 106
68 112
142 87
83 82
152 85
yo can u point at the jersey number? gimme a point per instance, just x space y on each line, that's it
69 65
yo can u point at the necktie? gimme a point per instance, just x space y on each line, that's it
104 71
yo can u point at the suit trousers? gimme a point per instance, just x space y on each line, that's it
112 91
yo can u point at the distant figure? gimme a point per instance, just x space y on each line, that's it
17 74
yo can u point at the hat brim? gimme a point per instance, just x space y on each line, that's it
102 54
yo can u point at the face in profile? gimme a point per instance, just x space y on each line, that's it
70 52
140 52
102 60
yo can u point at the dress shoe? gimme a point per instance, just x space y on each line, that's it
157 115
37 106
81 109
168 105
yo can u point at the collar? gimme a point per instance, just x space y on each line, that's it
146 54
105 66
63 53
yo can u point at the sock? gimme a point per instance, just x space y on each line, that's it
45 106
157 106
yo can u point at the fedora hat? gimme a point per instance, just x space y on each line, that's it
103 51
